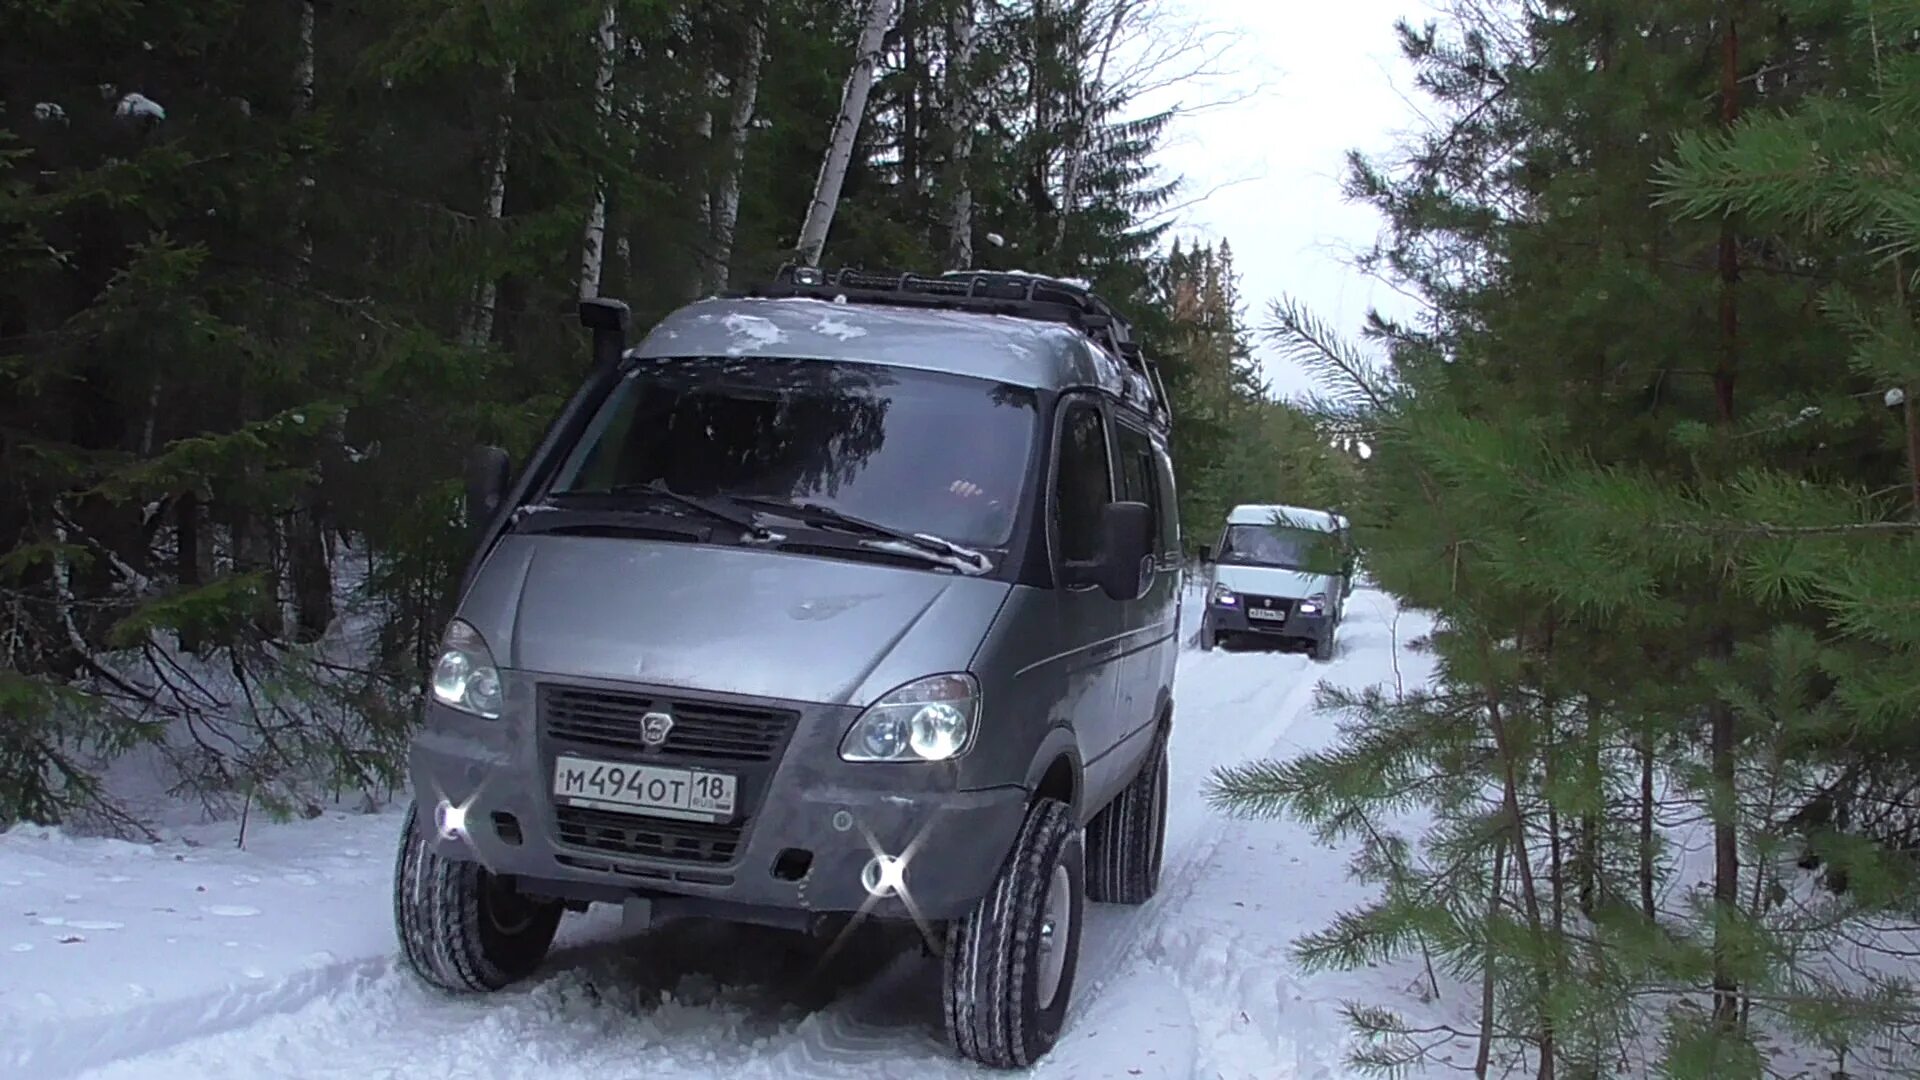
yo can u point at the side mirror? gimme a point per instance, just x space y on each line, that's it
489 473
1126 550
1206 553
611 321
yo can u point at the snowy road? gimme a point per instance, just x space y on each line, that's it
1193 984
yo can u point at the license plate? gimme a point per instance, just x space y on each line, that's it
686 794
1267 614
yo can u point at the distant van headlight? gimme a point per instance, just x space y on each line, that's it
1314 605
930 719
464 677
1223 595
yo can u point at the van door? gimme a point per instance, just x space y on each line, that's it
1090 624
1151 621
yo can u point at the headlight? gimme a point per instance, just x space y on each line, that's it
930 719
1224 595
464 677
1313 605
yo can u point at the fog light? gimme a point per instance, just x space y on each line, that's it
884 876
451 820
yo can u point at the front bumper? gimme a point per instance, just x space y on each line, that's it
1232 619
807 826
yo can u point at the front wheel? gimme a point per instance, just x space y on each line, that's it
1209 640
1323 647
1010 962
460 927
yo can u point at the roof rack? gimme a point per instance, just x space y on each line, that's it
995 292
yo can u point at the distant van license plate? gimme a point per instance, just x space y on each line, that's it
1267 614
686 794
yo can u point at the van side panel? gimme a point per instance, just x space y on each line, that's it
1036 675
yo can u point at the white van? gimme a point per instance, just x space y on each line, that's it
1281 573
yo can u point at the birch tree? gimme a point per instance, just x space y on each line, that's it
310 573
853 107
964 97
593 240
1090 97
726 200
480 326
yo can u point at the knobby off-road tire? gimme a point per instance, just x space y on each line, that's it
1323 648
1010 962
460 927
1125 841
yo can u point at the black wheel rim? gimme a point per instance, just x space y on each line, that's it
506 910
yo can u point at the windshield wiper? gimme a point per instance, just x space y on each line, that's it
934 548
651 524
718 511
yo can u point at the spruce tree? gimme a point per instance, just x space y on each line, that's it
1596 373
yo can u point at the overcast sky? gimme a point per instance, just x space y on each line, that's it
1324 78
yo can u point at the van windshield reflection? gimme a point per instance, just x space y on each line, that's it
1283 547
916 451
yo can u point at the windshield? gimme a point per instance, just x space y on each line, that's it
916 451
1284 546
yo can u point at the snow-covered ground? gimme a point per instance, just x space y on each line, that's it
196 958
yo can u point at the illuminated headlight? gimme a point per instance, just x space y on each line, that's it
464 677
1313 605
931 719
1224 595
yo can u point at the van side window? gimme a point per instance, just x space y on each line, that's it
1169 514
1139 479
1083 485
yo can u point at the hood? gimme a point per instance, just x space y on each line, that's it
1274 581
725 619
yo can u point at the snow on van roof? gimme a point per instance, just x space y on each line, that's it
1275 513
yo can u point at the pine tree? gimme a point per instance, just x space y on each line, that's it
1544 456
268 269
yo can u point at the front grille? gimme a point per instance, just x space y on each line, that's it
702 730
648 838
1269 603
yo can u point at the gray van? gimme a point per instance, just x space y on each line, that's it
851 598
1281 573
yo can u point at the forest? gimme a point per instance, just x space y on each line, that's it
270 268
1650 452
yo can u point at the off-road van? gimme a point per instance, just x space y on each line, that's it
852 597
1281 573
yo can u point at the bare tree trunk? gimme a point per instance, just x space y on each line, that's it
707 206
593 240
1913 444
1648 907
1588 859
1721 738
310 575
1083 121
1484 1057
480 325
1505 749
853 108
726 201
962 113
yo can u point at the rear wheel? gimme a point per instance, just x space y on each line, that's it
1125 841
460 927
1010 962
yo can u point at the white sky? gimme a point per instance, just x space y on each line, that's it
1325 78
